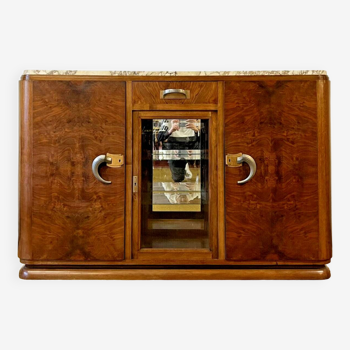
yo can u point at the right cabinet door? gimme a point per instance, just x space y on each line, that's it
276 215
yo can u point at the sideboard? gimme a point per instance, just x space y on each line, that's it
174 175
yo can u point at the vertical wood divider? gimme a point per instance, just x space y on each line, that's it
324 169
128 173
213 184
136 197
25 169
221 169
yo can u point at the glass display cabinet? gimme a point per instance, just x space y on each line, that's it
175 175
174 193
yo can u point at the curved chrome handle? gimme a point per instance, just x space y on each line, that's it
95 165
111 160
245 158
186 93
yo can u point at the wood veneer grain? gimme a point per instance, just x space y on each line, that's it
74 216
275 216
148 93
292 112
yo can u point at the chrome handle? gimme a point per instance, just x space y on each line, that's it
245 158
236 160
164 93
111 160
95 165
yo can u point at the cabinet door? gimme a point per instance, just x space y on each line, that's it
65 213
175 200
274 216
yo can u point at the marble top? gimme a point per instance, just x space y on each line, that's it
174 73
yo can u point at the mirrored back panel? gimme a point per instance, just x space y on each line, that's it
175 186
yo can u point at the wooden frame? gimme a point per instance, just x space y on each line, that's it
187 254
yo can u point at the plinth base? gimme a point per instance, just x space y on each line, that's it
177 273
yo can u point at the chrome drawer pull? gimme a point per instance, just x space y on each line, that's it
170 94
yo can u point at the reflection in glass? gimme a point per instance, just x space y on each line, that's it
176 159
174 183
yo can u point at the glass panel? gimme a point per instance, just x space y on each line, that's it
174 183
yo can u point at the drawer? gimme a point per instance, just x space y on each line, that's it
174 95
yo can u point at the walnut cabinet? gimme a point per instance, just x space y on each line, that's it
182 175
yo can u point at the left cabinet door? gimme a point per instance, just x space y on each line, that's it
66 214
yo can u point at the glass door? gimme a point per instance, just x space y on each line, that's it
174 192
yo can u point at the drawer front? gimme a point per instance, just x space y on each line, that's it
147 95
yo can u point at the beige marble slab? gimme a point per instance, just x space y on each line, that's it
175 73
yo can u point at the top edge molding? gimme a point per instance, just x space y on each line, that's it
174 73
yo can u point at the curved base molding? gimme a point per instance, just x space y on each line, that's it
141 273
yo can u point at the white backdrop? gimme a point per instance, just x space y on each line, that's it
174 35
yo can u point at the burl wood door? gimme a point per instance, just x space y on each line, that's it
274 216
66 214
